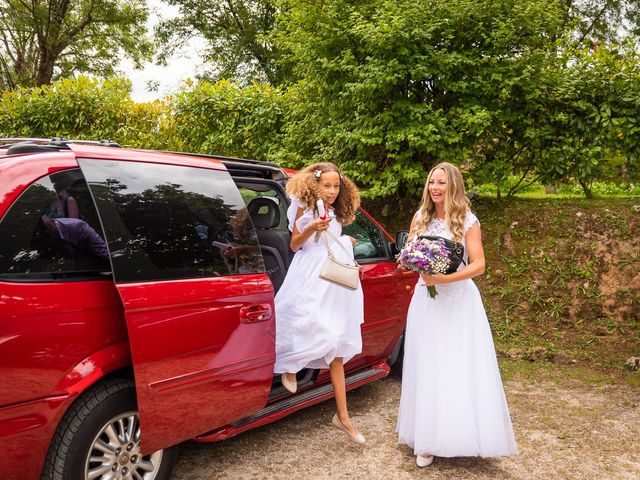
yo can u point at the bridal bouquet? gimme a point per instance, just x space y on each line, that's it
423 255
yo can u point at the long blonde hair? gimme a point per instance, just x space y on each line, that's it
456 203
304 185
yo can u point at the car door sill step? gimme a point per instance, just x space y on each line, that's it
306 396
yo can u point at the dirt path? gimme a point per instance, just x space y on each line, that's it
566 429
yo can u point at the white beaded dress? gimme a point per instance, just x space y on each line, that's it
316 321
452 402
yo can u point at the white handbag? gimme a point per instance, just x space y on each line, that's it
333 270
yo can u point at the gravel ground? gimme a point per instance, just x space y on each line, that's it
566 429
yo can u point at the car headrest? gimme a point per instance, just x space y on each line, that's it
264 212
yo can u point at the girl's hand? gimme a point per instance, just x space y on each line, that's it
319 225
431 280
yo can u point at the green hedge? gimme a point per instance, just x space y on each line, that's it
222 118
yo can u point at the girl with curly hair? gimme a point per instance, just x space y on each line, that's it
318 322
452 402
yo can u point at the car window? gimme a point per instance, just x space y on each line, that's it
369 238
53 228
252 191
170 222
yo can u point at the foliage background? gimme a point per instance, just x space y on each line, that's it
515 92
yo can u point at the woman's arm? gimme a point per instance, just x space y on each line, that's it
476 265
298 238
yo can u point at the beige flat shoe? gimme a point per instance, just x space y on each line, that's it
357 437
292 386
424 461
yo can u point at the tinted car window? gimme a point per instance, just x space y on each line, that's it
170 222
369 240
53 228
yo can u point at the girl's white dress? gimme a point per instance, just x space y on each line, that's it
316 321
452 402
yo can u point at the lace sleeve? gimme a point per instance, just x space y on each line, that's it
469 221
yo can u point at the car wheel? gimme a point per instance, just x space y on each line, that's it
99 438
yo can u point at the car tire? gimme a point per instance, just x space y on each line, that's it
105 416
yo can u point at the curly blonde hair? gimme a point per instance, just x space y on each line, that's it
304 186
456 203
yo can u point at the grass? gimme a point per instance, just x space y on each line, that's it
525 371
598 189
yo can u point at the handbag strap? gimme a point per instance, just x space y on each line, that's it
326 244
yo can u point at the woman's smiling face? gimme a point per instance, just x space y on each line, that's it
438 186
329 184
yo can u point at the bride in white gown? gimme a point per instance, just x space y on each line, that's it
452 402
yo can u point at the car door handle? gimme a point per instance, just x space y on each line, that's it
255 313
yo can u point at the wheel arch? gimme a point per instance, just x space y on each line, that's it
112 360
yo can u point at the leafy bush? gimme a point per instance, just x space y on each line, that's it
81 108
225 118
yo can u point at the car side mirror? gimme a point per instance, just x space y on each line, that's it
401 240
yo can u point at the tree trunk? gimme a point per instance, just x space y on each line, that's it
45 68
585 188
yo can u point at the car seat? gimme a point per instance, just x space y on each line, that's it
274 242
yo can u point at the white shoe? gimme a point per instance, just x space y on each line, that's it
292 386
424 461
355 437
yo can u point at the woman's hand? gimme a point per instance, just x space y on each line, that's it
435 279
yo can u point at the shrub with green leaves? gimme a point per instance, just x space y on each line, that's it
225 118
81 108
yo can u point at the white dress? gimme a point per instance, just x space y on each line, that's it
452 402
316 321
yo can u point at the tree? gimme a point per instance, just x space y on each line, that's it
602 20
592 113
41 40
504 89
389 88
236 33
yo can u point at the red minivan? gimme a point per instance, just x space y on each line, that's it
128 325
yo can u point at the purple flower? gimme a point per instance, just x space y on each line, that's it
425 256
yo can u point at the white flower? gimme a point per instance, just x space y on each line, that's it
317 173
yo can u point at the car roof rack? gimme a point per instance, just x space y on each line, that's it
20 145
243 167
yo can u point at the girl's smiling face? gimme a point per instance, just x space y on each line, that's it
438 187
329 184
